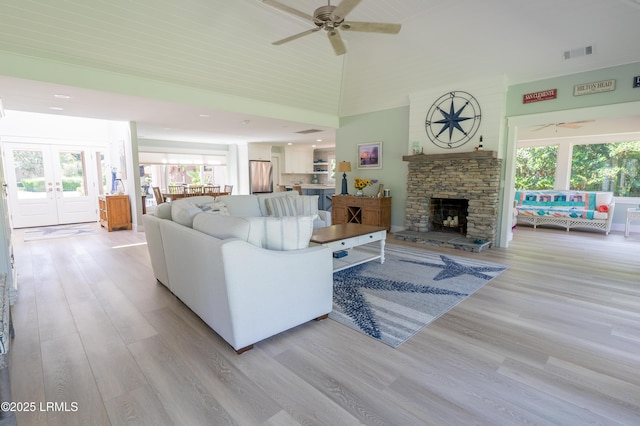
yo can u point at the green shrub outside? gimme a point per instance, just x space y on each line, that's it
37 184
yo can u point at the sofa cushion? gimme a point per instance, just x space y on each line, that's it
163 211
307 205
221 226
281 206
184 209
241 205
262 199
281 233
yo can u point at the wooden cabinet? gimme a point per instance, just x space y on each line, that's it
115 212
365 210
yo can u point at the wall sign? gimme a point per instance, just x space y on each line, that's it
595 87
543 95
636 81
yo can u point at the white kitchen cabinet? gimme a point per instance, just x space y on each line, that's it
259 151
298 160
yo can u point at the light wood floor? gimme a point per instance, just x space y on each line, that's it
553 340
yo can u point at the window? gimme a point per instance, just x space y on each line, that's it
536 167
611 167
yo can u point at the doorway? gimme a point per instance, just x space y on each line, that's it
50 184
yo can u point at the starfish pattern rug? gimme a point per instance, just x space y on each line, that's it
60 231
393 301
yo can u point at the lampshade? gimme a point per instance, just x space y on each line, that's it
344 166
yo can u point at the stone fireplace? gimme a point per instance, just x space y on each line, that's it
473 177
449 214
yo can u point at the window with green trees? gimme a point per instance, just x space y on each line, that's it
536 167
611 167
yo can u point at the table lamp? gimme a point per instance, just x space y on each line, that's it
344 167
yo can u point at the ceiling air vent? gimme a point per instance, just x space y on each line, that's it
580 51
306 132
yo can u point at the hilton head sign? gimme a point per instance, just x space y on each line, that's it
596 87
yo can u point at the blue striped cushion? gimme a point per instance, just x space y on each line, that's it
281 206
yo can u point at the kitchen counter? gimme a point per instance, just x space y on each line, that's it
316 186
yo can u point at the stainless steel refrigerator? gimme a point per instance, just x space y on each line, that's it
260 177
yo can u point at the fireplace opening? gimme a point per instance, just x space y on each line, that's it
448 214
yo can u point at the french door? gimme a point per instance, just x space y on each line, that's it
50 184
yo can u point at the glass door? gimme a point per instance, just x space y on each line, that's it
49 185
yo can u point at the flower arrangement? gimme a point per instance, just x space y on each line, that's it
361 184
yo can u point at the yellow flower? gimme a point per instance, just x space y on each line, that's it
360 183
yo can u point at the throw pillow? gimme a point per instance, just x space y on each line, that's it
281 206
217 207
603 208
281 233
307 205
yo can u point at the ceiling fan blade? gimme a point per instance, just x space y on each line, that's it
544 126
337 43
371 27
343 9
285 8
295 36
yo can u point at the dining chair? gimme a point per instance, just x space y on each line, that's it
193 191
158 195
228 189
212 190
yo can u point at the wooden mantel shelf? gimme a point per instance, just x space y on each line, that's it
450 156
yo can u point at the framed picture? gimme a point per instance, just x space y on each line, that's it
370 155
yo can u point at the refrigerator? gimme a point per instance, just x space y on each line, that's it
260 177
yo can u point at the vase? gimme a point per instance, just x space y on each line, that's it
359 193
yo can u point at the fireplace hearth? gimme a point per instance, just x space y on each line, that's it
471 179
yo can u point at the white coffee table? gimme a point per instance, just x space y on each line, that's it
632 214
351 237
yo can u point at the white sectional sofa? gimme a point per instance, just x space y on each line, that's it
247 277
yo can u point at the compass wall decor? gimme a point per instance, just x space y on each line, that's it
453 119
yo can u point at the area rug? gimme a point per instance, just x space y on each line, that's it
61 231
393 301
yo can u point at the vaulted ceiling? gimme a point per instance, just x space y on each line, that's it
198 69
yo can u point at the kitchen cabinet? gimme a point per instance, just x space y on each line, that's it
324 196
365 210
298 160
115 212
259 151
320 168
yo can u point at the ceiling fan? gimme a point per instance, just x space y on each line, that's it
569 125
331 18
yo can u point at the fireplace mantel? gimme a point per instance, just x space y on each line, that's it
450 156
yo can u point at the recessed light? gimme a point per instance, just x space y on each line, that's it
245 122
56 108
313 146
318 140
205 115
290 143
61 96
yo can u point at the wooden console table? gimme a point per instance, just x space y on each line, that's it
372 211
115 212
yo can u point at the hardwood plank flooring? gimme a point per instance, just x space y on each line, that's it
555 339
